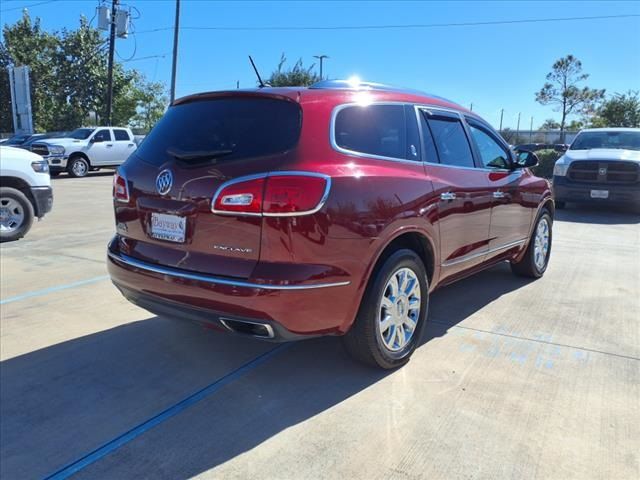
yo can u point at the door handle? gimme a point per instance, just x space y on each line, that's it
498 194
109 145
448 196
130 145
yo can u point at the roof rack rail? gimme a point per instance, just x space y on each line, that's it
356 84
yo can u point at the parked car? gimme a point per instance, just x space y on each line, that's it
602 165
38 137
534 147
25 191
287 213
16 140
87 149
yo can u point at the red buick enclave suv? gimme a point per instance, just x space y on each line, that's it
287 213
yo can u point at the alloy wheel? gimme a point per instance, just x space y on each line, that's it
399 309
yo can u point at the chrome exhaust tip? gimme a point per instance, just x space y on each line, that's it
245 327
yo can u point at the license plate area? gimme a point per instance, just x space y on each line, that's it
171 228
599 193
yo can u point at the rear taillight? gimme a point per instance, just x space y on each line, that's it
241 197
120 188
273 195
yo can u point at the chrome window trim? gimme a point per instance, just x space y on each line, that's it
172 272
279 173
472 256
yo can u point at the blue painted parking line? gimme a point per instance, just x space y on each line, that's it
110 446
47 291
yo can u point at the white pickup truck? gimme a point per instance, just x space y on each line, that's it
86 149
25 191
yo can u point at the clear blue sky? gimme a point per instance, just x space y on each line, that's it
495 66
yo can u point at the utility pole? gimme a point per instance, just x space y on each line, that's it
112 47
531 130
321 58
176 28
518 127
471 107
501 115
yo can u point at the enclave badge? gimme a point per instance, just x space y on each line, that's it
227 248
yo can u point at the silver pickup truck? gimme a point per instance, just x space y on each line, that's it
86 149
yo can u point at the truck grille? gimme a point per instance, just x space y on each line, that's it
40 149
604 172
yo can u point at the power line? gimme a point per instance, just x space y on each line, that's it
408 26
164 55
28 6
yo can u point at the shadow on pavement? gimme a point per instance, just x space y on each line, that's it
100 173
61 402
598 214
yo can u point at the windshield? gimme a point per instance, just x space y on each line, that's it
617 140
225 128
81 133
17 140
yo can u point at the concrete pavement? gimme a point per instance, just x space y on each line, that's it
515 379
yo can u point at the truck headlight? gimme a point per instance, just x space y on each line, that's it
56 149
40 166
560 168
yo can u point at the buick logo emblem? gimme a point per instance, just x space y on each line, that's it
602 171
164 182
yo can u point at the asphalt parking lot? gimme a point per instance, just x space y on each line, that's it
515 379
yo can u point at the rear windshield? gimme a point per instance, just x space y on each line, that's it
617 140
225 128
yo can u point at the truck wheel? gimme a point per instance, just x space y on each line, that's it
16 214
536 258
78 167
393 313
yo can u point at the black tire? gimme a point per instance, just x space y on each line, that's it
560 205
364 341
527 266
9 197
78 167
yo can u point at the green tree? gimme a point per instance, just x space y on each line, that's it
621 110
561 90
69 77
151 103
550 124
298 76
26 43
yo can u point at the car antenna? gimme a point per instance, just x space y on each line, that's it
260 82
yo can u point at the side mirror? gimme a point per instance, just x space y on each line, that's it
96 139
526 159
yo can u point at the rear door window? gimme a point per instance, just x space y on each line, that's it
450 140
121 135
377 130
229 128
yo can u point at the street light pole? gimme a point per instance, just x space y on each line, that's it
112 45
321 58
176 28
501 115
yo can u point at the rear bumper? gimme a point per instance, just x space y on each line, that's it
288 311
43 200
569 191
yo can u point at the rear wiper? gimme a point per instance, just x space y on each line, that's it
198 154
